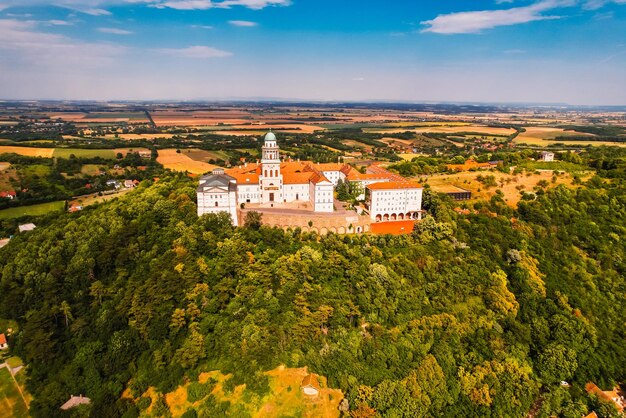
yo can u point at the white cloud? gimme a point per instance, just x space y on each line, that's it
243 23
57 22
597 4
477 21
201 26
358 79
115 31
97 7
198 51
21 42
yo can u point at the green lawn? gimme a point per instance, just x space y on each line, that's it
32 210
85 153
11 402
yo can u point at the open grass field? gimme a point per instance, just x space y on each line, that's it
32 210
93 198
91 169
83 153
284 400
27 151
205 156
511 185
12 405
172 160
410 156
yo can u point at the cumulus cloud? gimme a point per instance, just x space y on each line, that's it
477 21
243 23
115 31
198 51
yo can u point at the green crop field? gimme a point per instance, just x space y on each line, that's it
11 402
84 153
32 210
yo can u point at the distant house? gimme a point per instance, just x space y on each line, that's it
546 156
9 194
26 227
3 342
75 401
607 395
310 385
75 208
114 183
129 184
145 154
4 241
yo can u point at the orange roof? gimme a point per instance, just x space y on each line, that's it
318 178
3 339
246 178
310 380
330 166
608 395
376 169
356 175
394 227
391 185
297 178
592 415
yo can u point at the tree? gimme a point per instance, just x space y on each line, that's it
253 220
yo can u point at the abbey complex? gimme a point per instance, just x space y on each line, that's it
301 188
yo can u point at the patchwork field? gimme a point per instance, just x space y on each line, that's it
511 185
175 161
12 405
32 210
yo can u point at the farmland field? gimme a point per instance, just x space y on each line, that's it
11 402
485 130
83 153
27 151
545 136
32 210
4 166
169 158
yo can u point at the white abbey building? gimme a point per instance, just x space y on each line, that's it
273 182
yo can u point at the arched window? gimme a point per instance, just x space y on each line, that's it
216 204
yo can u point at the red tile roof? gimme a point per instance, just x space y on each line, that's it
3 339
394 227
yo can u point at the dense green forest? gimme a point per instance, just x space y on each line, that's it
471 315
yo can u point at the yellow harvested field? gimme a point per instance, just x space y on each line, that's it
544 136
4 166
511 185
397 142
27 151
182 162
296 127
410 156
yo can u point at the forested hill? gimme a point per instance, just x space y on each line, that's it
472 315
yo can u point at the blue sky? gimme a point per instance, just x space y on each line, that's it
565 51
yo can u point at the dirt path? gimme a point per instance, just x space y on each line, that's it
16 384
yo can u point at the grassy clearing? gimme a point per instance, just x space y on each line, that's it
11 402
32 210
554 165
91 169
510 185
285 398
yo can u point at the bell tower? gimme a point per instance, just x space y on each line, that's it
270 180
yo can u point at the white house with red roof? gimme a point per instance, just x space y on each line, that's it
394 200
3 342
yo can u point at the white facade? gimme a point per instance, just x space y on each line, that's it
391 201
218 193
546 156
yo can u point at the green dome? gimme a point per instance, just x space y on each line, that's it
270 136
